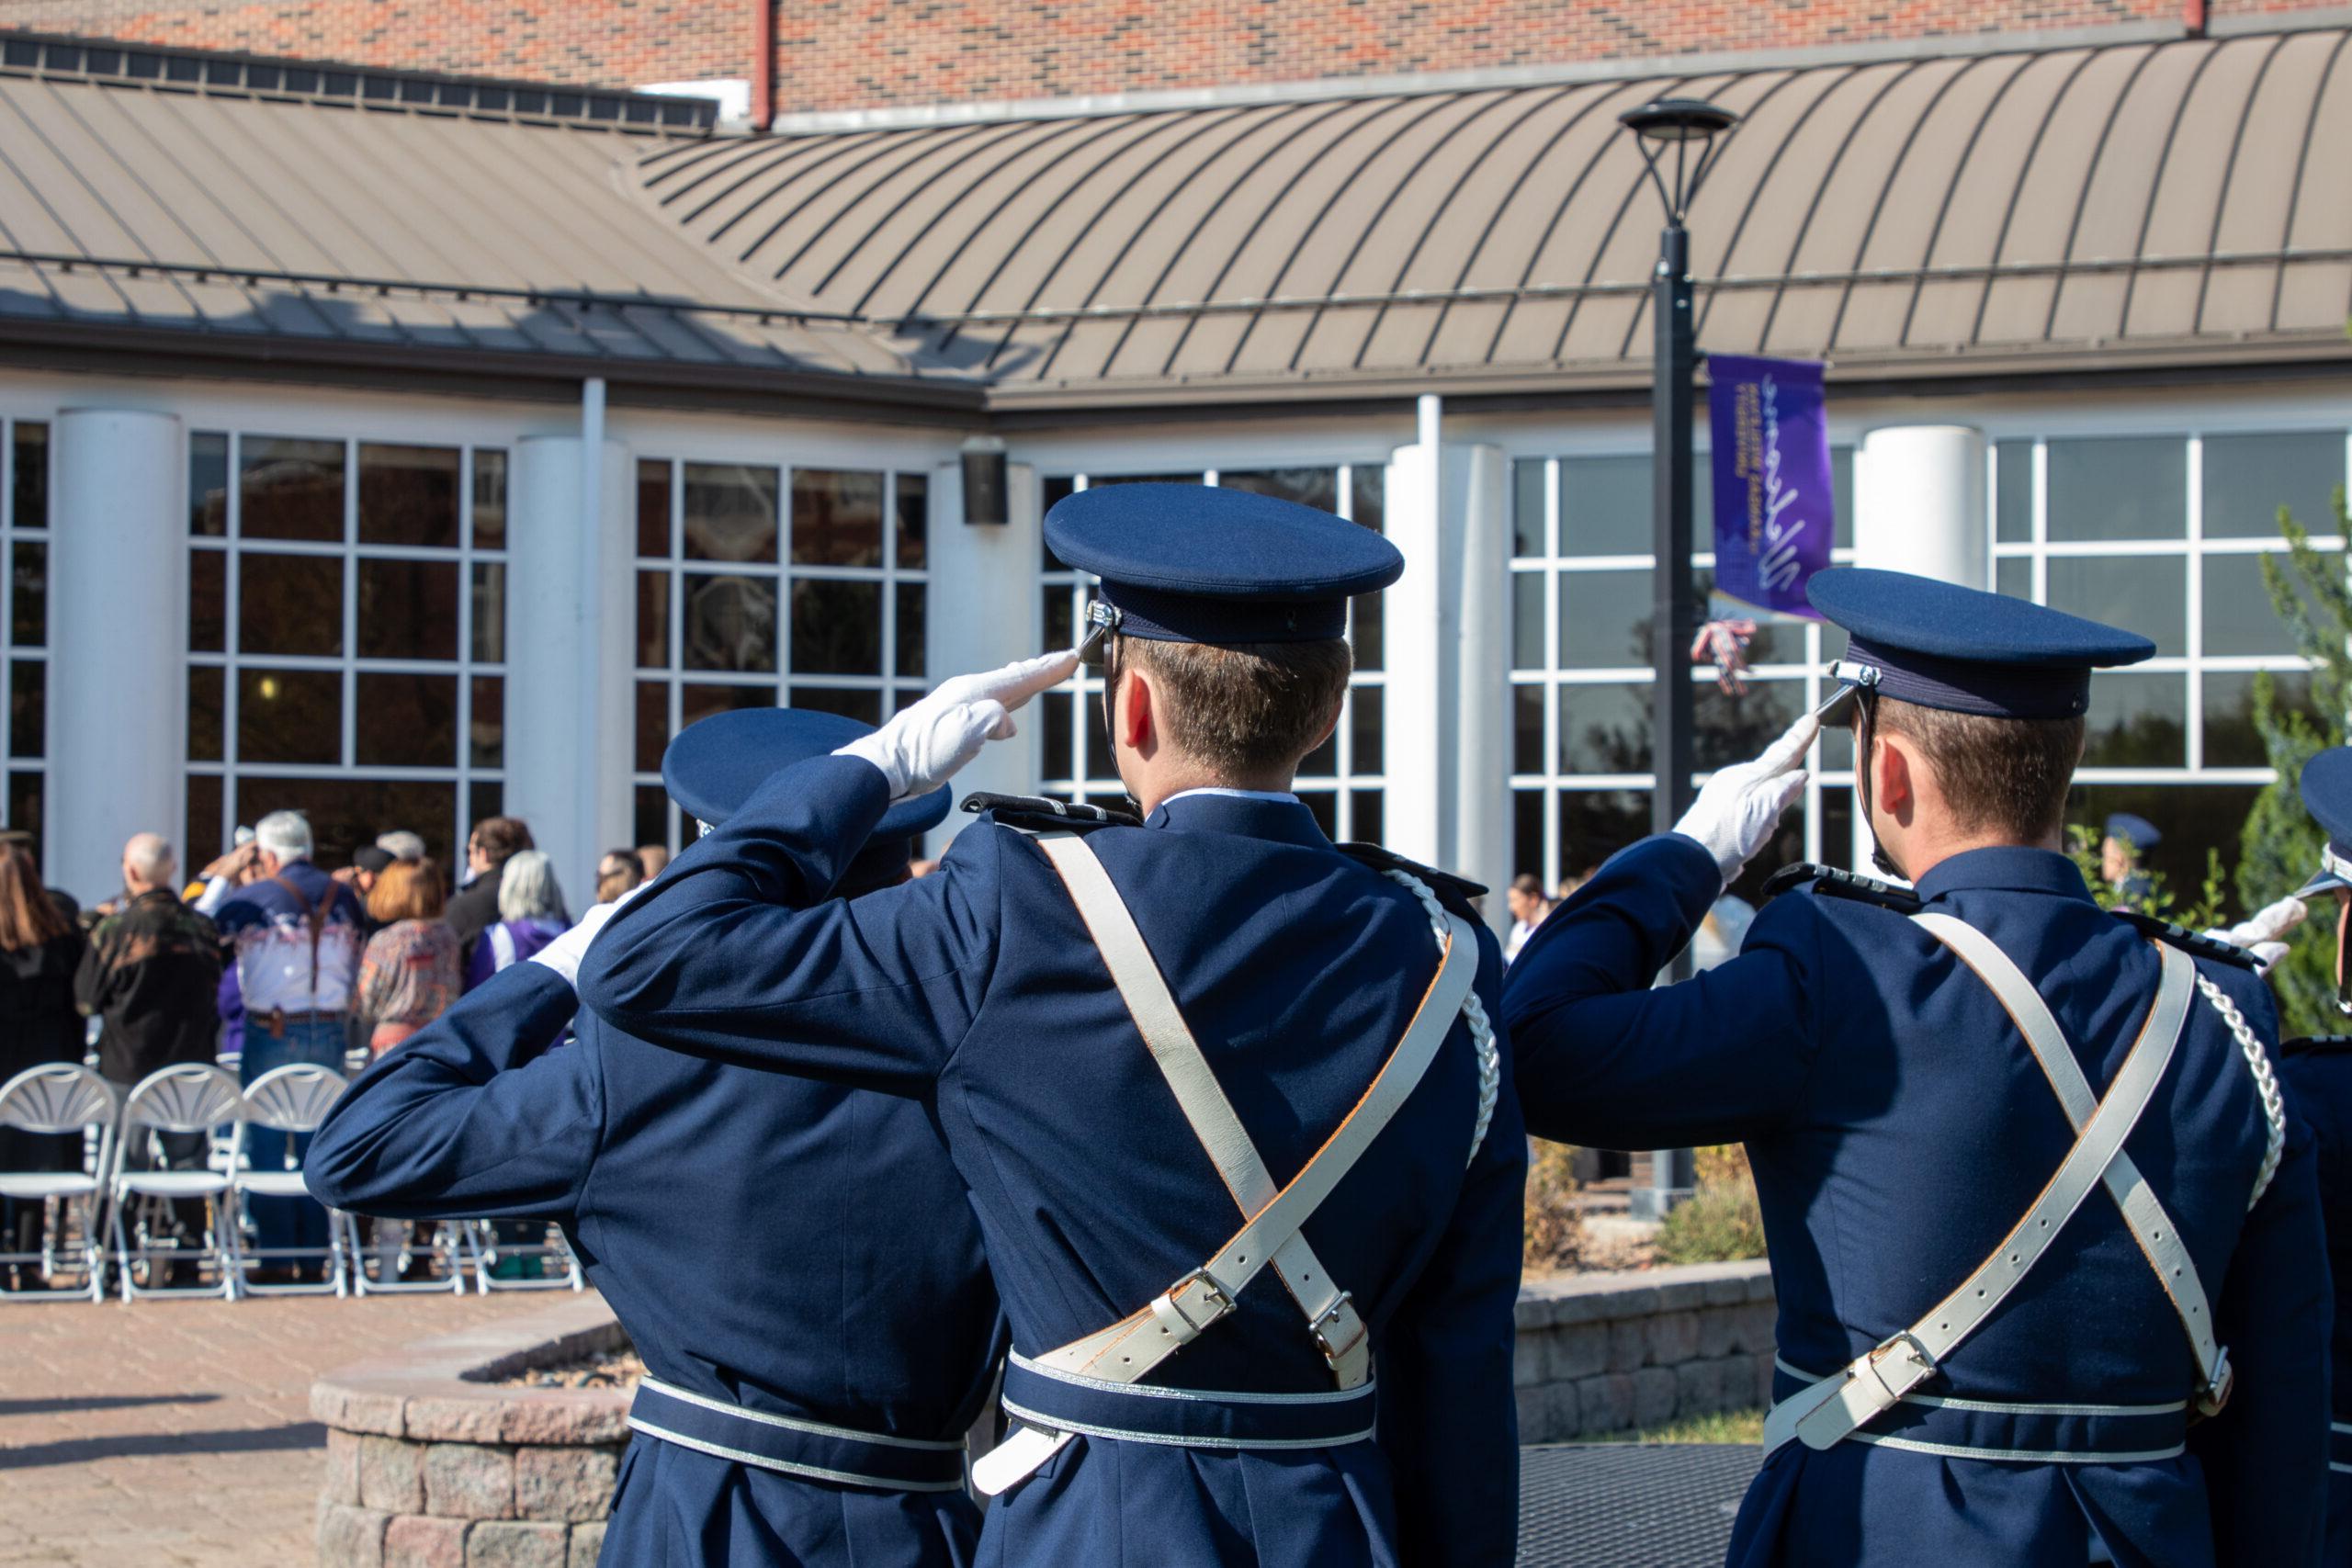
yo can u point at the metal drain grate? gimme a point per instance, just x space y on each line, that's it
1624 1506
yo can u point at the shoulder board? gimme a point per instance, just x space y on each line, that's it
2181 937
1044 814
2315 1045
1380 859
1831 883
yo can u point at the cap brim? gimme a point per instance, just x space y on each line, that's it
2325 882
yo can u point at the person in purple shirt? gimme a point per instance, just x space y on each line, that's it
530 915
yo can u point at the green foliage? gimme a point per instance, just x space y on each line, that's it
2200 913
1721 1222
2279 846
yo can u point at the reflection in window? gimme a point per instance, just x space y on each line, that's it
2193 817
408 609
2248 478
27 709
2133 487
1319 488
729 623
1530 481
289 489
1605 506
914 520
204 713
207 485
1604 619
289 715
836 518
489 498
865 706
207 601
2232 738
1605 728
730 512
2239 615
1597 823
1730 728
2147 593
836 628
407 720
289 604
2137 721
408 495
2013 491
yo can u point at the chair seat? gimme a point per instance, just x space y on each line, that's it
272 1183
63 1184
172 1183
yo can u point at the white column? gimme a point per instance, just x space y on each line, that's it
568 742
985 612
1414 629
1919 506
118 637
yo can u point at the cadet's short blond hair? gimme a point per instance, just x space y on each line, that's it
1248 709
2009 776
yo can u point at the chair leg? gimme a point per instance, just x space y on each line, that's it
226 1217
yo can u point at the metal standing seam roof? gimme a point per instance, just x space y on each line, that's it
2134 203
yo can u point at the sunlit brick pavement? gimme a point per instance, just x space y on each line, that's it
178 1433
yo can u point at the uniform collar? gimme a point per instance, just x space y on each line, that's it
2009 869
1284 819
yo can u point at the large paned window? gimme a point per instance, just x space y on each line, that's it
347 637
1581 586
24 533
1343 780
758 586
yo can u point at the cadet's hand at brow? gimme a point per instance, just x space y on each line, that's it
2260 933
1738 808
925 745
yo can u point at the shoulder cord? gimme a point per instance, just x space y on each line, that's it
1474 1013
2265 1084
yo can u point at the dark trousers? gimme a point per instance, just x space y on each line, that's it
287 1222
20 1219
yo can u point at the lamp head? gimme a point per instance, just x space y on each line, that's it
1678 120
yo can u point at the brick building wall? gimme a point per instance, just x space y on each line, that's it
835 54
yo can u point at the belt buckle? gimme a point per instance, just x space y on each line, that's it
1330 1316
1922 1362
1218 1297
2215 1395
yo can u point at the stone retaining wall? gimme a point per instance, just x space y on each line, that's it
432 1464
1605 1353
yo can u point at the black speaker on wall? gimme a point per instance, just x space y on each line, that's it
985 501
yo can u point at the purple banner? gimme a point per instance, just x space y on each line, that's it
1775 516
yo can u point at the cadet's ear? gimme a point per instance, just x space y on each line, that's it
1896 789
1135 713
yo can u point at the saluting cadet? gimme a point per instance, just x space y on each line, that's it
1232 1115
2318 1071
2047 1250
2129 836
794 1261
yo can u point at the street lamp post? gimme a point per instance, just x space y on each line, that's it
1678 139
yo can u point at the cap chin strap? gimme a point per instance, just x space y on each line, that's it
2342 920
1865 730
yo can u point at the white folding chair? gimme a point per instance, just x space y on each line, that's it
56 1099
545 1264
292 1100
189 1098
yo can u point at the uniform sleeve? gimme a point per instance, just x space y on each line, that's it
1448 1411
738 952
1607 1060
2265 1454
473 1117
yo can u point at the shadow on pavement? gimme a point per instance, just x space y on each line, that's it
135 1445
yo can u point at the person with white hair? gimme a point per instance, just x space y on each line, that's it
297 934
401 845
530 915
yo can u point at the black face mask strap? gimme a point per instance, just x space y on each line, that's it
1865 729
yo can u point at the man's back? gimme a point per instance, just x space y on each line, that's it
151 974
296 941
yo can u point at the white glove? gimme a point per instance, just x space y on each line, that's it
2260 933
1738 810
564 953
922 747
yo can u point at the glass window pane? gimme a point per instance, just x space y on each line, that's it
289 604
289 715
1368 496
1319 488
1100 763
2133 487
2013 491
1060 616
1056 487
1096 481
1366 806
203 831
653 620
406 721
207 485
2191 817
205 685
1323 763
289 489
2148 594
27 708
2013 575
836 518
730 622
1841 495
864 706
1728 728
1775 642
2248 478
914 521
488 727
408 495
408 609
653 507
1366 621
25 801
29 504
1604 619
1605 505
2239 615
485 798
911 633
1529 477
652 725
730 512
836 628
490 498
1597 823
2137 721
1605 728
1527 620
207 601
489 611
1367 713
29 601
345 813
1060 731
696 702
2230 739
1527 728
652 817
1527 832
1838 739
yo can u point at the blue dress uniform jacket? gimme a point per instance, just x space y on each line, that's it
1297 968
790 1248
2318 1074
1898 1127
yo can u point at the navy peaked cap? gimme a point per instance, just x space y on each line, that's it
1200 563
1942 646
2134 830
714 765
2327 795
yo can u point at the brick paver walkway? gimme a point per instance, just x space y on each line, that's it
179 1433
